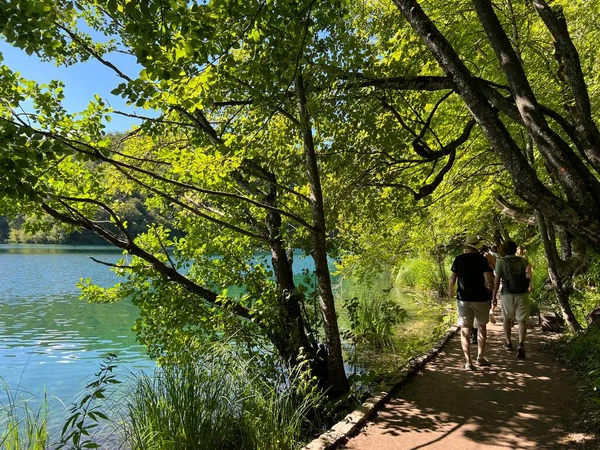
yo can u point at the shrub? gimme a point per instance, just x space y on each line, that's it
373 316
584 351
423 273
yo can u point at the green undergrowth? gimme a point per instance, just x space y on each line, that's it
423 274
427 318
22 425
583 351
385 325
221 402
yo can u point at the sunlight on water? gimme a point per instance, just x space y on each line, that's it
49 339
52 341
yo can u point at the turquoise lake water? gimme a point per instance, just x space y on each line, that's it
49 339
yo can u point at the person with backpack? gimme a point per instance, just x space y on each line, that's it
514 298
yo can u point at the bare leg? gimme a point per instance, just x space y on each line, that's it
522 331
507 325
465 335
481 340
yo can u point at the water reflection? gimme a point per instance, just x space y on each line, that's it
49 339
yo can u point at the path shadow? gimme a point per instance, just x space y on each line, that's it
512 404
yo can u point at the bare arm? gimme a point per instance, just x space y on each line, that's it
495 291
451 284
489 280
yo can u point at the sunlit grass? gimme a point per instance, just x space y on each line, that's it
21 426
220 402
427 318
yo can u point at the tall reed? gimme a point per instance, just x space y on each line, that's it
220 402
22 427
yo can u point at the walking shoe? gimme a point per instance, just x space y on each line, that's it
482 362
521 351
507 345
469 366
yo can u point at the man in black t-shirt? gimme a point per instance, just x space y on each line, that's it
475 281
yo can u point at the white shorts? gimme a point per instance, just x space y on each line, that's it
469 311
515 306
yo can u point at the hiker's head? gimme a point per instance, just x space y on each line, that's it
473 244
510 247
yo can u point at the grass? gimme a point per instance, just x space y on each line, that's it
427 318
423 319
22 427
221 402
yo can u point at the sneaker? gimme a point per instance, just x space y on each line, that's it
482 362
469 366
521 352
507 345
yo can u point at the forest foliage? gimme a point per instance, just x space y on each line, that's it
367 131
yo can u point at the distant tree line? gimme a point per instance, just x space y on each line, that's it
131 208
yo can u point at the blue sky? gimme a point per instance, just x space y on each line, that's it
81 80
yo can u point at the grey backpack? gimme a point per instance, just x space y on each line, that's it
516 281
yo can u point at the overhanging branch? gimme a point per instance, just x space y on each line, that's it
168 272
513 211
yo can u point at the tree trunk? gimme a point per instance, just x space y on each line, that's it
555 280
292 336
580 214
565 239
335 362
558 156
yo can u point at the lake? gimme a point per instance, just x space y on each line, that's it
49 339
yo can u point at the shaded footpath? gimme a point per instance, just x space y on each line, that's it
514 404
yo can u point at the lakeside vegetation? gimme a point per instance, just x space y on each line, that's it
350 130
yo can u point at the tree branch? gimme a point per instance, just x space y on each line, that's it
93 52
555 151
568 56
154 119
513 211
168 272
105 207
104 263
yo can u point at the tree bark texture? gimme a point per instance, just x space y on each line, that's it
580 212
555 280
337 374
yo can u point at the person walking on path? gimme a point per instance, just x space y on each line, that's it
475 280
485 251
514 299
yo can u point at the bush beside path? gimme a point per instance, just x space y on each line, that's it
514 404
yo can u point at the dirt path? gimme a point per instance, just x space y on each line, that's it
514 404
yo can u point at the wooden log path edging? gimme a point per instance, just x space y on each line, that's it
340 432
